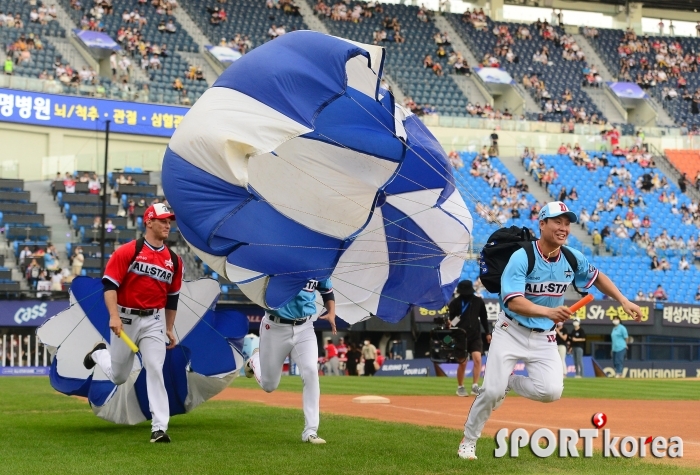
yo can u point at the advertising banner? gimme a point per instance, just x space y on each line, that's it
29 313
598 312
450 369
653 369
96 39
627 90
87 113
418 367
25 371
681 315
224 54
494 75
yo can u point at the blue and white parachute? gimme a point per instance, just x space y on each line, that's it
297 165
206 359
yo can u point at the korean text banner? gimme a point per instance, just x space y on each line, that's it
86 113
681 315
598 312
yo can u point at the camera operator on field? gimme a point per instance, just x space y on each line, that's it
468 312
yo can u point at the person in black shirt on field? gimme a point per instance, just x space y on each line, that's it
353 356
578 343
562 340
468 312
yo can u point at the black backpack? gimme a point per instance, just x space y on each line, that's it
173 257
501 245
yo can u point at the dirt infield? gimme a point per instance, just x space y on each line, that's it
625 418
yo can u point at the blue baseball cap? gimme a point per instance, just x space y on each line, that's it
557 208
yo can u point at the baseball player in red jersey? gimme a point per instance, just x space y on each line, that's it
139 291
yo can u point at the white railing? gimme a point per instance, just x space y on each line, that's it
23 350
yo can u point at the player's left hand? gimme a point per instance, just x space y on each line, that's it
488 339
632 309
331 319
172 341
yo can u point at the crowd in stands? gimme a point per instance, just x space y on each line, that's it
508 201
42 268
666 67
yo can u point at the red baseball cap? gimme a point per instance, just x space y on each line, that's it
158 211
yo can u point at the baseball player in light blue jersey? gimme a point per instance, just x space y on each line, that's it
290 329
532 304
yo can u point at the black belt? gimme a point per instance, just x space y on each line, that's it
287 321
136 311
536 330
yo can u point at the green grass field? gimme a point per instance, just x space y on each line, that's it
43 431
595 388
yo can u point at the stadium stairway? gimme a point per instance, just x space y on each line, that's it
310 19
466 83
197 59
515 167
61 232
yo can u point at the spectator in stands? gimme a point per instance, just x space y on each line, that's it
33 273
96 222
77 261
109 226
170 27
177 84
56 280
94 185
683 264
697 292
69 183
660 294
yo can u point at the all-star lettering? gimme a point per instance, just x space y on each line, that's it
546 288
156 272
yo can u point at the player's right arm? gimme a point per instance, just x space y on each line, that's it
513 292
117 267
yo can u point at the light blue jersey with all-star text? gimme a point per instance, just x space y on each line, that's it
304 304
545 285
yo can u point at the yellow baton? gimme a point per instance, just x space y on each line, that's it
128 341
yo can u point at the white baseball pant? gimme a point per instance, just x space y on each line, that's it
333 366
562 355
511 342
149 335
277 340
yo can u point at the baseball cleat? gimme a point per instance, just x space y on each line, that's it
475 389
467 449
88 362
461 392
249 373
314 439
160 436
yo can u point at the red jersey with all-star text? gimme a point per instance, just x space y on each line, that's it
147 283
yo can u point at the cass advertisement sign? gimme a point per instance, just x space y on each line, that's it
85 113
681 315
28 313
598 312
